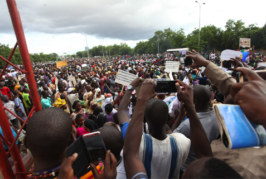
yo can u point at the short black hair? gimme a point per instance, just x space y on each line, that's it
202 97
90 124
101 119
108 108
44 93
156 113
113 139
75 104
97 111
49 132
215 168
79 116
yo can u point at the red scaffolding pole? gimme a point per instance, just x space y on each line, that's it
17 25
10 138
5 166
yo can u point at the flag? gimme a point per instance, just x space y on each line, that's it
244 56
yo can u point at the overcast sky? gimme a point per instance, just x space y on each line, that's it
62 26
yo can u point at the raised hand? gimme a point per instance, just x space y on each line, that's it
136 83
251 96
185 95
198 59
147 90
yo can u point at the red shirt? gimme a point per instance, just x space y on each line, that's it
6 91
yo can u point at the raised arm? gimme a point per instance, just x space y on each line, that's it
133 164
123 107
199 140
218 77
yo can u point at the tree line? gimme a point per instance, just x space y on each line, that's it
16 58
212 38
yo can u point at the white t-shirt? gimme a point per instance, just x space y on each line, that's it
161 158
10 105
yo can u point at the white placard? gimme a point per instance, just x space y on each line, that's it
171 66
124 78
84 65
228 54
260 64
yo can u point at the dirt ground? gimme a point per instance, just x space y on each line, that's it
248 162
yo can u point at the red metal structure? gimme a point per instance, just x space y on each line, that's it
8 138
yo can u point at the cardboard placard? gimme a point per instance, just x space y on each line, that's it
124 78
171 66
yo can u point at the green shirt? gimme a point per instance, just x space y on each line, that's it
26 100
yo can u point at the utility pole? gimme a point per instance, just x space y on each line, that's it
200 4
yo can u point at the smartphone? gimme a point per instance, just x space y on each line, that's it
227 64
165 86
188 61
90 148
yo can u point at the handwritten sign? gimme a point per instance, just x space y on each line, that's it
171 66
228 54
124 78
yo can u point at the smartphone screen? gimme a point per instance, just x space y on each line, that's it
164 86
95 146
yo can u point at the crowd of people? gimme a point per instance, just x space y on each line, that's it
147 135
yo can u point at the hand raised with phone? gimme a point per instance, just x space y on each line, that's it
185 95
198 59
147 90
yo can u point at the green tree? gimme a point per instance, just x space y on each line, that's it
234 30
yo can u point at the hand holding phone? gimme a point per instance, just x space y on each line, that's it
198 59
90 149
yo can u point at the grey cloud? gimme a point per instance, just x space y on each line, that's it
121 19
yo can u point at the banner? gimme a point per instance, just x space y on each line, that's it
61 64
124 78
171 66
228 54
244 42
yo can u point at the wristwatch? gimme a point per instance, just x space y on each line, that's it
130 88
